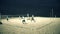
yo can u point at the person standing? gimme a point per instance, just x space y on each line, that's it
32 19
7 18
28 18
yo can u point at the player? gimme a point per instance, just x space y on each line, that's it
23 21
28 16
7 18
32 19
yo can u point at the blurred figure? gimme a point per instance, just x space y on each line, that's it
23 20
32 19
22 17
28 16
19 17
0 22
0 19
7 18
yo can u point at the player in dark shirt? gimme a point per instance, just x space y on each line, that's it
7 18
32 19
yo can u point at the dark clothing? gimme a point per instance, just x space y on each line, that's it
7 19
0 22
32 19
23 21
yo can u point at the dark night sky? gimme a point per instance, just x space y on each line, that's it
36 7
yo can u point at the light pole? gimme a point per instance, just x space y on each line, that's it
52 12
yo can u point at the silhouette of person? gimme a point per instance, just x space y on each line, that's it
32 19
7 18
28 17
23 21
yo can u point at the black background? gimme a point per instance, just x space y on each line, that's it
36 7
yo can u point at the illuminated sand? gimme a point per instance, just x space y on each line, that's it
43 25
